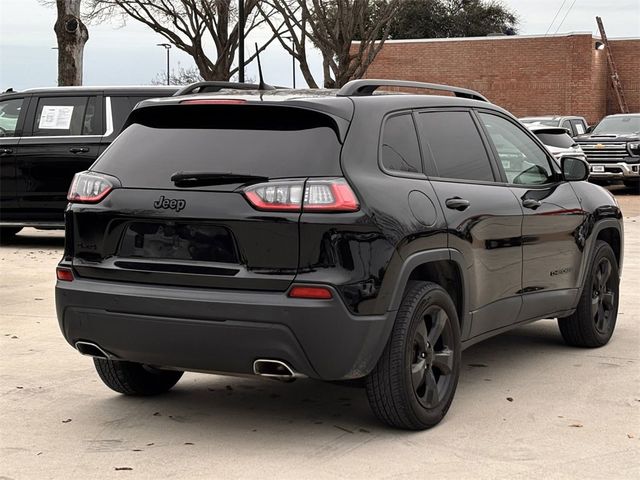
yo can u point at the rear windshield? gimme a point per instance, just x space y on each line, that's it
559 140
274 142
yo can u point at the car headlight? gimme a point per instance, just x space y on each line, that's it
634 148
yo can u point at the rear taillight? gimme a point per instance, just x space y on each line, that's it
89 187
320 195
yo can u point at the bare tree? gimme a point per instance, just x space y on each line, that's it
190 24
179 76
332 26
72 35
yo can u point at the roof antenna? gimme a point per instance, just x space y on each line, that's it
261 85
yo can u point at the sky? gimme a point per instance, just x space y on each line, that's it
128 55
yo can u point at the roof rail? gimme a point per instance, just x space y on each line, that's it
216 86
364 87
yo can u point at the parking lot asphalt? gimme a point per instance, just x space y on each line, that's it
527 406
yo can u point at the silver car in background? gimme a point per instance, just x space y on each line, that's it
573 124
557 141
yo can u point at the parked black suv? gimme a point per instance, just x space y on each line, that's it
337 236
49 134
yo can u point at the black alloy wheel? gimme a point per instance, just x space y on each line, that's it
432 358
415 379
594 320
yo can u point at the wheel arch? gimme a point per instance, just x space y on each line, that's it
610 231
442 266
611 235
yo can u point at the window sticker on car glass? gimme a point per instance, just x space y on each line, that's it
56 117
579 128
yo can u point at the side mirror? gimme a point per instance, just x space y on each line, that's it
574 169
589 129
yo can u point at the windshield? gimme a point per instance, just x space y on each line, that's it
620 125
559 140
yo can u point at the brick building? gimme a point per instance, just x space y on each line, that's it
527 75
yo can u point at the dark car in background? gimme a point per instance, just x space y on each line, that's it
47 135
613 149
337 235
573 124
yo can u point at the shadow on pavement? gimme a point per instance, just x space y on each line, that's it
38 240
236 406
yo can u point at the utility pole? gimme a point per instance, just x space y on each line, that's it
293 59
241 41
293 63
167 47
615 78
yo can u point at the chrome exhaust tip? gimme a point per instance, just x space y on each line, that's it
92 350
275 369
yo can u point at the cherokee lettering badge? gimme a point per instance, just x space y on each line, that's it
170 204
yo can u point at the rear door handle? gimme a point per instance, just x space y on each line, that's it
457 203
6 151
531 203
78 149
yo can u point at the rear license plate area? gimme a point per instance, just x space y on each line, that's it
178 241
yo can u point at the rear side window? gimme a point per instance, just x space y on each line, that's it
9 115
455 146
270 141
120 109
579 127
66 116
400 151
559 140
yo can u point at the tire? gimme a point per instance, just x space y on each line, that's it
7 233
594 320
134 378
413 367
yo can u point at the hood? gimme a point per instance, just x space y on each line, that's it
608 137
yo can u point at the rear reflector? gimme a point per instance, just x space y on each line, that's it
64 274
320 195
322 293
213 102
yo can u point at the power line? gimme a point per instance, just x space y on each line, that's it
565 16
554 18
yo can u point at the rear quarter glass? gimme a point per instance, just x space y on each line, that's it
275 142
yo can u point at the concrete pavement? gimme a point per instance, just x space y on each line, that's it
527 406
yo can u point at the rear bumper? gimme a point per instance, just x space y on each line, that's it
220 331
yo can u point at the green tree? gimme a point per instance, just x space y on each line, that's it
452 18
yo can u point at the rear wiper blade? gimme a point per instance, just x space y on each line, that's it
195 179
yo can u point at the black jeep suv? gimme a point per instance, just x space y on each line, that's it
338 235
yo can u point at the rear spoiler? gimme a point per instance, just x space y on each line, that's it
248 115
